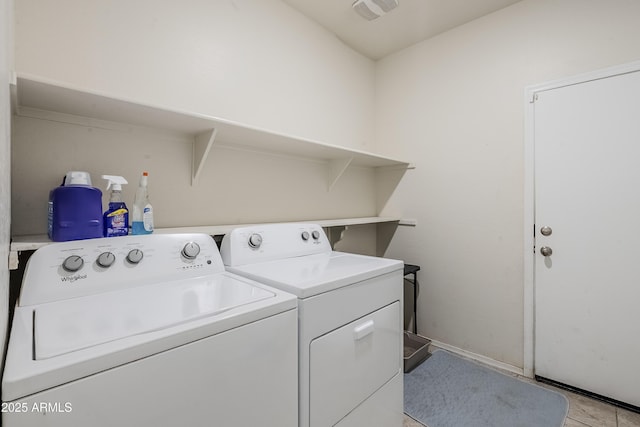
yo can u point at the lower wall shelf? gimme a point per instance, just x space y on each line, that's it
33 242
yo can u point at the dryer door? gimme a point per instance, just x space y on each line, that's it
349 364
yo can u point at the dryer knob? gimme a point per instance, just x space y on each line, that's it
255 240
135 256
72 263
305 235
315 234
106 259
191 250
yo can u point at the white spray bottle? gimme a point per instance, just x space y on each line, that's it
142 221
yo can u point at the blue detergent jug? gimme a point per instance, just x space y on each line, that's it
75 209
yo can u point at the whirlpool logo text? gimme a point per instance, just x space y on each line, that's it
73 278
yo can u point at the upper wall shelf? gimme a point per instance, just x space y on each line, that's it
36 97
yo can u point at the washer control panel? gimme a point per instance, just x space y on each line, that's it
86 267
247 245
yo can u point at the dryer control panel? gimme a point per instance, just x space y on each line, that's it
268 242
87 267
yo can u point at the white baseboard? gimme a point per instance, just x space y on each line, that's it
479 358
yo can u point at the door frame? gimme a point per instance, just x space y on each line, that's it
530 95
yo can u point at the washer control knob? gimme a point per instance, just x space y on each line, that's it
135 256
315 234
191 250
305 235
106 259
255 240
72 263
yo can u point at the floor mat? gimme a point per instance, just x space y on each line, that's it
448 391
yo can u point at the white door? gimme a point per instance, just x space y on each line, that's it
587 191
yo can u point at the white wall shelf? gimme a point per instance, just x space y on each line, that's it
33 242
39 98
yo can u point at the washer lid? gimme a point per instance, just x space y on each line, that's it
305 276
69 325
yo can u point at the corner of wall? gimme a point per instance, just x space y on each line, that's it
6 59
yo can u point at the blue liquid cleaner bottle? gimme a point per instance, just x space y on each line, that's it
116 218
75 209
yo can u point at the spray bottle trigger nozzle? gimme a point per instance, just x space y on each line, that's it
114 181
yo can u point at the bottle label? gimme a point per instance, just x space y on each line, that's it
147 218
117 223
50 220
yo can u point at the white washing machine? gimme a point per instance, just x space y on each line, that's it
350 321
148 331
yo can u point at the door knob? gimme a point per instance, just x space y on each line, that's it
546 251
546 230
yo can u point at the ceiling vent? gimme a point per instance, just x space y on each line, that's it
372 9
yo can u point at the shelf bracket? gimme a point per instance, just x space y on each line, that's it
202 144
335 234
336 169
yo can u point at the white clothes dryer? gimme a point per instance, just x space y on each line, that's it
350 321
148 331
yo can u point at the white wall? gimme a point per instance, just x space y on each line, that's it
257 62
253 61
6 49
454 104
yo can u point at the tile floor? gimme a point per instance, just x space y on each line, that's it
583 412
